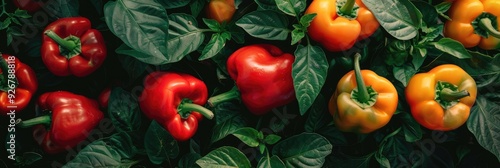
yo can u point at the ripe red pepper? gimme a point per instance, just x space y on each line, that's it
29 5
71 47
263 76
175 101
18 84
103 98
72 118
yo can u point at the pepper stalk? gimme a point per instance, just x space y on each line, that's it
362 95
69 46
229 95
186 107
486 25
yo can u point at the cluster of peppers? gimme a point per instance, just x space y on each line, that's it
363 101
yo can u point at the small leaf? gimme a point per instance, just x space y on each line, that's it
124 110
411 129
306 20
400 18
213 47
441 9
5 23
297 35
452 47
296 153
291 7
212 24
159 144
225 156
27 158
268 25
271 139
483 123
22 14
226 128
309 71
270 162
248 136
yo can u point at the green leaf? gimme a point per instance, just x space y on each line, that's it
214 46
452 47
418 57
309 71
225 156
183 36
225 111
400 18
5 23
306 20
212 24
442 7
318 115
296 153
411 129
98 5
271 139
387 142
141 25
133 67
267 4
196 7
188 160
270 162
193 146
123 110
404 73
267 24
429 13
65 8
340 159
28 158
483 123
159 144
248 136
22 14
297 35
291 7
171 4
226 128
109 152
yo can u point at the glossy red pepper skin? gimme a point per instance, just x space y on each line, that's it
73 118
263 75
93 48
23 92
103 98
29 5
162 98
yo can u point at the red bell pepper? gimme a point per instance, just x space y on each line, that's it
18 84
103 98
263 76
29 5
72 119
71 47
175 101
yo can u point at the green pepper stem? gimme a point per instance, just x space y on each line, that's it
188 107
45 119
348 6
363 97
485 24
66 44
229 95
449 95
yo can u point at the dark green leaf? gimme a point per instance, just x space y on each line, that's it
268 25
411 129
429 13
452 47
98 5
483 123
309 72
226 128
213 47
297 35
132 66
124 111
5 23
22 14
183 35
291 7
442 7
318 115
386 144
267 4
110 152
296 153
237 33
193 146
333 134
403 73
431 33
270 162
196 7
66 8
248 136
271 139
16 21
340 159
143 26
28 158
225 156
306 19
159 144
400 18
188 160
226 111
212 24
171 4
418 57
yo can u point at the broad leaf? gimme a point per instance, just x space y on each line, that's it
318 115
270 162
452 47
483 123
291 7
226 128
183 36
159 144
64 8
124 110
171 4
411 129
340 159
295 153
267 4
196 7
142 25
400 18
266 24
132 66
309 71
225 156
213 47
189 160
404 73
248 136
